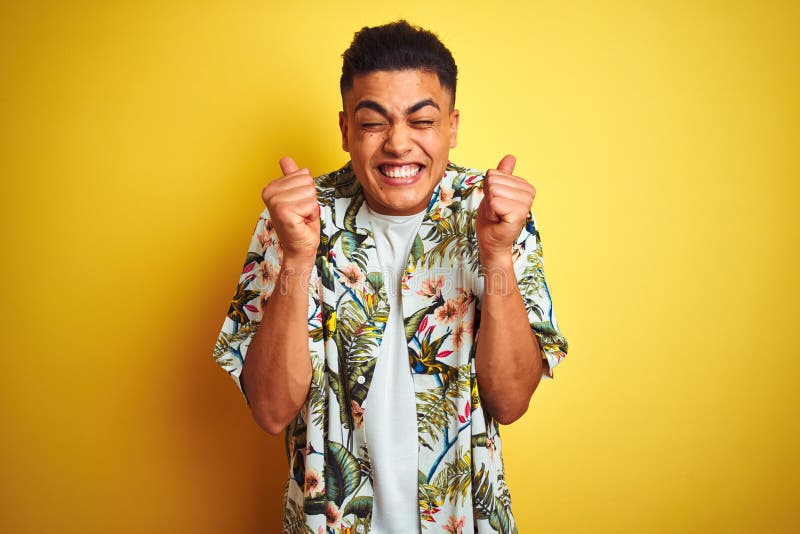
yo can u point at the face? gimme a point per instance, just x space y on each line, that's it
398 128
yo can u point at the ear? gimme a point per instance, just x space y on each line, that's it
343 128
453 128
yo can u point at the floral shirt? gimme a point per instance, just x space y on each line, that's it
460 470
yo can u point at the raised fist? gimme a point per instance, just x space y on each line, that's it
294 211
502 213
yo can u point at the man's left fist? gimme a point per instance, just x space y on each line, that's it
503 211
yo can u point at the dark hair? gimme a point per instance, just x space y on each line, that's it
398 46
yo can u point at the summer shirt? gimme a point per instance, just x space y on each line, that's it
461 484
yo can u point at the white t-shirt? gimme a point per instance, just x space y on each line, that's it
390 412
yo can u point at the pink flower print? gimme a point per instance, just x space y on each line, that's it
470 180
313 483
460 332
405 281
358 413
448 312
333 516
429 512
267 273
445 196
463 300
491 447
265 238
455 526
463 418
352 276
431 287
463 296
516 251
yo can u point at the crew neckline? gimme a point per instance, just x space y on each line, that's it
394 218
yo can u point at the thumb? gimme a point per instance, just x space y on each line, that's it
288 166
506 164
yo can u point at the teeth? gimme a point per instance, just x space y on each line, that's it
402 171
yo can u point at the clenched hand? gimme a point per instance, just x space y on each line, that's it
294 211
503 210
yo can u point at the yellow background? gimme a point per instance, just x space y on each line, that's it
662 138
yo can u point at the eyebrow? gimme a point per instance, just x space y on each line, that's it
374 106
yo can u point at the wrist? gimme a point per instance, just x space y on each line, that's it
499 277
294 276
496 259
297 264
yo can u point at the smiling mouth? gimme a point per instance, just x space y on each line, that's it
400 172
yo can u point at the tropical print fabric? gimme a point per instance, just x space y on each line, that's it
462 486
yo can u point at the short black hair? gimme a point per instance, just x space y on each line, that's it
398 46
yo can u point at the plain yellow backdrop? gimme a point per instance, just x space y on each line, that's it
662 138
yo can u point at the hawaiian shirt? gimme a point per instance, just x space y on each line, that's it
462 486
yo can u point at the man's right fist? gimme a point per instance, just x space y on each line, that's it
294 211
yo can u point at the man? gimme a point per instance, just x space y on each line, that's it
392 313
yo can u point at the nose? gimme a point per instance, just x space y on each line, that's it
398 140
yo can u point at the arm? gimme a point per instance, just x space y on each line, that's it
277 372
508 359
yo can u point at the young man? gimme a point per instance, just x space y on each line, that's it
392 313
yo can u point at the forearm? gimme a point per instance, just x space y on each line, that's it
277 369
508 358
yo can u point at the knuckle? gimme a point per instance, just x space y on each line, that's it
266 197
282 210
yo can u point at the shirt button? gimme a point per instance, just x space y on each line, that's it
361 379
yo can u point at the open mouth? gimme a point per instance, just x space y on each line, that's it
400 172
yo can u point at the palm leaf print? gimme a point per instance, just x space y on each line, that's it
483 494
454 479
453 236
433 415
360 506
413 322
294 520
325 273
240 299
351 213
499 519
228 344
342 398
342 475
316 394
359 327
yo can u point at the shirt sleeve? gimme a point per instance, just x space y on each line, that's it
256 284
529 268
